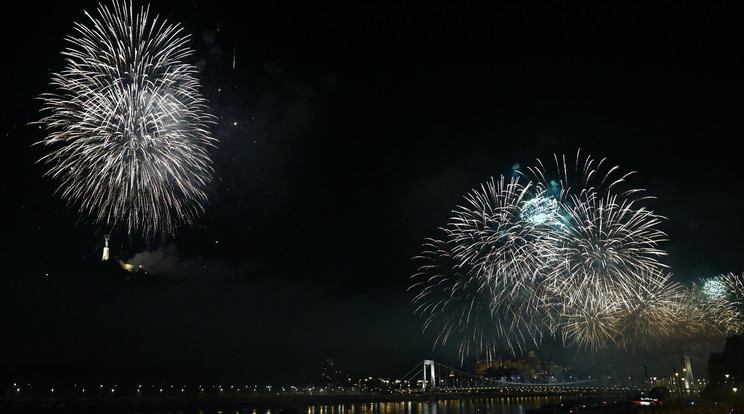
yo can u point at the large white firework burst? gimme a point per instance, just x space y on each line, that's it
128 129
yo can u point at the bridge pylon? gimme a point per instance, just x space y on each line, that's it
689 380
429 364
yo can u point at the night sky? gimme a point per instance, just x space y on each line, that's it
347 134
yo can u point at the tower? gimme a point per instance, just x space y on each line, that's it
105 248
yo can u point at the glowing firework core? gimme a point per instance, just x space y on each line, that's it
539 210
714 288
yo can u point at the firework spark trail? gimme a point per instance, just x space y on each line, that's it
479 281
585 175
648 308
128 127
590 321
733 286
614 238
473 312
454 303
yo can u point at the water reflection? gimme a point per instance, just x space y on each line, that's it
505 405
498 405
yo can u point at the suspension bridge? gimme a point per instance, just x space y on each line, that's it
430 376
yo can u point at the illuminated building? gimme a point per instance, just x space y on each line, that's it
531 366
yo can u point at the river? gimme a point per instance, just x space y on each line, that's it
483 405
496 405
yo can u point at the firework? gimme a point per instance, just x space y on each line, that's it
721 300
649 310
128 129
567 251
479 281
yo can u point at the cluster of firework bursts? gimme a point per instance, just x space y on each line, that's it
565 251
129 129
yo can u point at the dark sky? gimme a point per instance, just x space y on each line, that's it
360 127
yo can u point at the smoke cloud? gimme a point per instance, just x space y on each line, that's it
167 262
